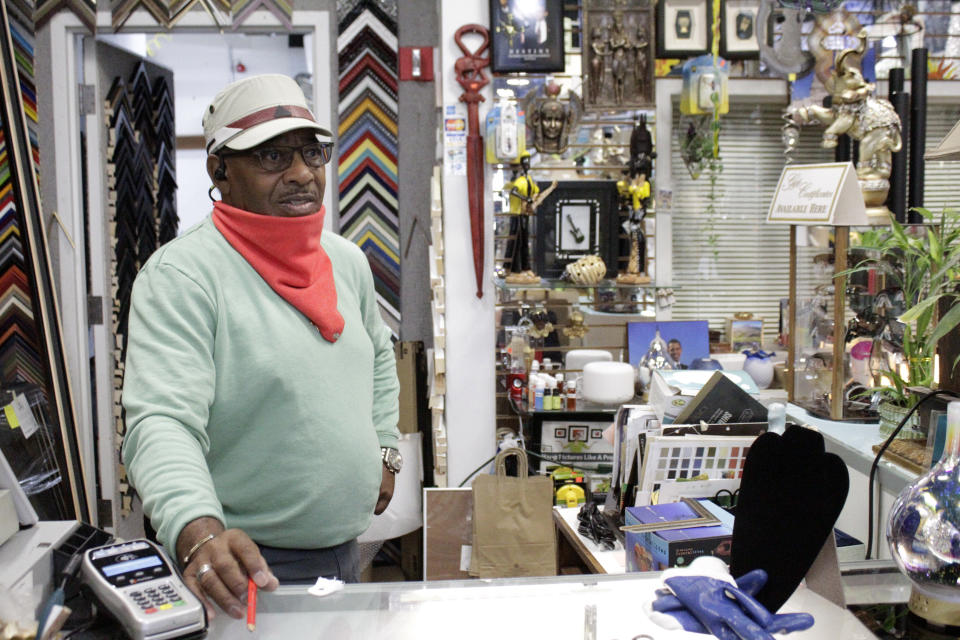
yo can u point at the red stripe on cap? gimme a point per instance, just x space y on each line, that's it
271 113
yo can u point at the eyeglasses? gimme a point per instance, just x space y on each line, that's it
279 158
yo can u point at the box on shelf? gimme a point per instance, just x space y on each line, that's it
659 550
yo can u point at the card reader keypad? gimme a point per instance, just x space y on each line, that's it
159 596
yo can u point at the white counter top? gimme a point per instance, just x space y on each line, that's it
853 442
553 608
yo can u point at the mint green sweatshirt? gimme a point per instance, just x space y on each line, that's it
237 408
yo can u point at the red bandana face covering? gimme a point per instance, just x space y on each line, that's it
286 252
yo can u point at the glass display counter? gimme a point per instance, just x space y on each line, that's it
574 607
827 314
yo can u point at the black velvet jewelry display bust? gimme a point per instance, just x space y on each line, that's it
791 495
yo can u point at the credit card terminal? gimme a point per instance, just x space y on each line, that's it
137 584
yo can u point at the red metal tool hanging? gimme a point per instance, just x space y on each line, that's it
469 70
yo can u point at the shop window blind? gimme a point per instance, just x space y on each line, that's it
749 271
940 178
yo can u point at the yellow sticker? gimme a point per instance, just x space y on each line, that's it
11 416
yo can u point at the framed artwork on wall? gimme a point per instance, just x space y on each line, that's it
618 54
738 29
578 218
526 35
683 28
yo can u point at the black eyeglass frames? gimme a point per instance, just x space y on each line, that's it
279 158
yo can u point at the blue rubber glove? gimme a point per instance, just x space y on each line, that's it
750 583
703 604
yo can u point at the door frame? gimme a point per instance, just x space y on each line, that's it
71 50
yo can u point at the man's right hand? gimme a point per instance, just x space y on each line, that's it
231 557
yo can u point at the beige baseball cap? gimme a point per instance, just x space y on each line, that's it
255 109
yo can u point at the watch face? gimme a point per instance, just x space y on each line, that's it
393 459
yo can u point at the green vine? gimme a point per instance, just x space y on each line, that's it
714 164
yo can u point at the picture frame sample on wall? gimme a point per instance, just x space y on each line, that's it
738 29
684 28
526 35
618 57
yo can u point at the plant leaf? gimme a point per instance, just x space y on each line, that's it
947 323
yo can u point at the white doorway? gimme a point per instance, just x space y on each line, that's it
207 59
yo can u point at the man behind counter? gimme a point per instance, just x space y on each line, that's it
261 386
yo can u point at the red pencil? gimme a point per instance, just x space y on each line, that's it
251 604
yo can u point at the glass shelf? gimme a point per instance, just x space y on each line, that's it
545 283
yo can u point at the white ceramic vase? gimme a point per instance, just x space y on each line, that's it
760 367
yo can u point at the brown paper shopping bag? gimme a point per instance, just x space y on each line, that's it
513 530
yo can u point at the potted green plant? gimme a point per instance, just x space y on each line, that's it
923 262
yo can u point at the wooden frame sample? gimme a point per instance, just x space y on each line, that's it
26 199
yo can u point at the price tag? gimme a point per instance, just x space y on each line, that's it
19 416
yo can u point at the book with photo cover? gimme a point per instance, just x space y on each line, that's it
721 401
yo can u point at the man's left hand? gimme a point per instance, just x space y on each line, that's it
386 491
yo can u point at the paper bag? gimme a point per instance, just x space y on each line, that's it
513 530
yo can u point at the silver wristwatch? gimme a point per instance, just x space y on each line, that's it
392 459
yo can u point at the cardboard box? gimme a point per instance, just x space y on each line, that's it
659 550
406 354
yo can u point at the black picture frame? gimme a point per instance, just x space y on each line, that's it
735 44
524 42
671 15
551 251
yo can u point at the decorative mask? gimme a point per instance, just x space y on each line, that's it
552 120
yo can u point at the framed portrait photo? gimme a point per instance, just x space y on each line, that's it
738 29
526 35
683 28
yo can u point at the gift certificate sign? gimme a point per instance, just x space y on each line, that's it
811 194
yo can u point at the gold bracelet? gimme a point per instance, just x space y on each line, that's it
187 558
